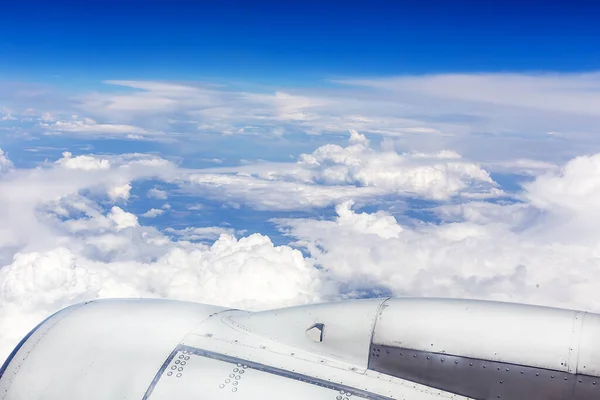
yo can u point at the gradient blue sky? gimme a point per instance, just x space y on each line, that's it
293 41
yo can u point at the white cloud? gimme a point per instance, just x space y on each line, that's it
153 213
90 127
247 273
83 162
157 194
122 219
486 256
5 164
334 173
496 117
120 192
58 246
270 195
564 93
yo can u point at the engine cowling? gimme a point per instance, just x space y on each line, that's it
421 349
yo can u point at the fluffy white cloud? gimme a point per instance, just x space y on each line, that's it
63 240
248 273
58 246
333 173
83 162
5 163
488 258
120 192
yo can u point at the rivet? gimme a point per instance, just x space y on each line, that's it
178 375
234 389
245 366
234 383
227 380
456 362
338 397
183 363
428 357
173 367
181 357
177 362
231 375
169 373
221 386
179 369
187 357
237 377
241 371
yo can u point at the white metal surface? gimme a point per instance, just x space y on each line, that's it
100 350
227 334
518 334
347 328
588 356
163 350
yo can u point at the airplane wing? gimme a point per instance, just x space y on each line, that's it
408 348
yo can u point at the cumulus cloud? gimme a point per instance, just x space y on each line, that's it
5 163
484 254
333 173
83 162
249 273
120 192
63 239
58 246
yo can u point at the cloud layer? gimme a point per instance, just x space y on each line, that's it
492 117
80 226
66 236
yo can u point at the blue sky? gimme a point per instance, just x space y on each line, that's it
275 154
290 42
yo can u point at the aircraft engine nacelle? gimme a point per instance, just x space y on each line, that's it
409 348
